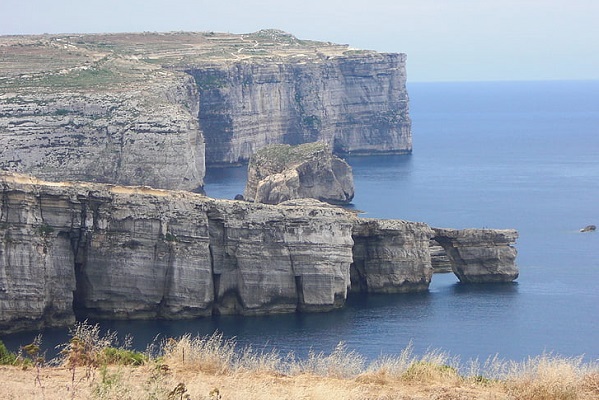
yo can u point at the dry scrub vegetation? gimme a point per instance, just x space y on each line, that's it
91 366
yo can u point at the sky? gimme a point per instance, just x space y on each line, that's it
449 40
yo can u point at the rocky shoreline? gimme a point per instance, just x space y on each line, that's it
107 251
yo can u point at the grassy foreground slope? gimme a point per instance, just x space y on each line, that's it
90 367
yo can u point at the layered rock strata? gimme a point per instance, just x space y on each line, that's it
105 251
356 103
390 256
279 173
130 108
98 117
137 252
480 255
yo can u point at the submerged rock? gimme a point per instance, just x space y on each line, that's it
279 173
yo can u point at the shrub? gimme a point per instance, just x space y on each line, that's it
6 357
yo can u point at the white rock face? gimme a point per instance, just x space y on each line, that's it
356 103
146 109
138 136
106 251
137 252
391 256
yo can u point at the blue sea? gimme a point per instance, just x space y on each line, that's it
521 155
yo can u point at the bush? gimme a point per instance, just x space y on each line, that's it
116 356
6 357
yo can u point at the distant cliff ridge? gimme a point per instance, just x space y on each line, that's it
153 109
106 251
357 104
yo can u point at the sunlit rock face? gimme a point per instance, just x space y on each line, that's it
107 251
391 256
152 109
133 252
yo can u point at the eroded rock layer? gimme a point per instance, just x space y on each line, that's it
105 251
130 108
136 252
356 103
480 255
391 256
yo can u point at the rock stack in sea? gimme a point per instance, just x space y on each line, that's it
278 173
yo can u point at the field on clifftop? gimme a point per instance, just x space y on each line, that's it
92 365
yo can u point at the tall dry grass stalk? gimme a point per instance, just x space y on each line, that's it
214 367
548 377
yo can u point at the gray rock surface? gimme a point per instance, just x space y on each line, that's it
356 103
105 251
439 259
390 256
480 255
111 119
137 252
134 109
589 228
278 173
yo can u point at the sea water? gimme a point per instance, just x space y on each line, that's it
521 155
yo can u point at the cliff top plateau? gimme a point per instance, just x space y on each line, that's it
112 60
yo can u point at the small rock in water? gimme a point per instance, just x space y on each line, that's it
589 228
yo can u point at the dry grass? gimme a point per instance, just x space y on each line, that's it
214 368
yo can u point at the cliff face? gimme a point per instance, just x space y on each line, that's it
480 255
130 108
136 252
278 173
106 251
104 119
357 104
391 256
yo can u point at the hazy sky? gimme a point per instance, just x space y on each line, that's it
445 40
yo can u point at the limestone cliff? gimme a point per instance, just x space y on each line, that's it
278 173
71 113
480 255
391 256
105 251
137 252
356 103
130 108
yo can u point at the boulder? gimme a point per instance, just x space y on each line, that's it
279 173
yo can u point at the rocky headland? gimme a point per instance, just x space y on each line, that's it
106 251
278 173
153 109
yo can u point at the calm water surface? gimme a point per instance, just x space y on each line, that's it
519 155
